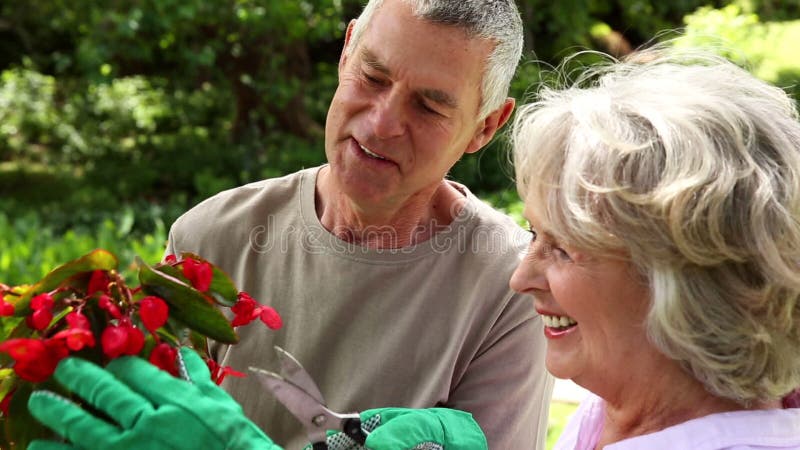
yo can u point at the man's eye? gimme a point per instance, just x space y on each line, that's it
427 108
371 79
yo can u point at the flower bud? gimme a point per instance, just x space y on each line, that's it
163 356
199 273
154 313
121 340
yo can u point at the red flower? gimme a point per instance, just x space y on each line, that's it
76 319
154 312
42 306
199 273
76 338
40 319
123 339
98 282
270 317
247 309
170 259
218 373
6 308
42 301
163 356
107 304
79 334
22 349
34 359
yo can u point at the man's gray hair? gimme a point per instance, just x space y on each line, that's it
494 20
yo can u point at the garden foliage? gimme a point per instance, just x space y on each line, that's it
117 116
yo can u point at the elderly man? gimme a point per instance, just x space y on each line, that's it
391 280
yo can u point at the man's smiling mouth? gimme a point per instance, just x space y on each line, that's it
370 154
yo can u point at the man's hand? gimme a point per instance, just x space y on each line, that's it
151 409
418 429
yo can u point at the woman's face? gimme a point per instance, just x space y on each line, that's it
593 309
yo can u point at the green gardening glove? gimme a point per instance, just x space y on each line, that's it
151 408
418 429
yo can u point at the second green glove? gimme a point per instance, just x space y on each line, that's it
417 429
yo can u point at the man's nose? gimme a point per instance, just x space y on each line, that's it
388 116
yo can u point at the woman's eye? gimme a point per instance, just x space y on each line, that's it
533 234
561 254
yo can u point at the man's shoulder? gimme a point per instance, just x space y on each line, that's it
491 216
251 200
484 212
488 223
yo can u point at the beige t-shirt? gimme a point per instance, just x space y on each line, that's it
433 324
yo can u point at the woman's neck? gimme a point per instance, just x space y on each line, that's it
654 403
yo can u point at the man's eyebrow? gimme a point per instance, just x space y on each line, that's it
371 60
440 97
435 95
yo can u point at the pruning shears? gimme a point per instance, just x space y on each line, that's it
298 392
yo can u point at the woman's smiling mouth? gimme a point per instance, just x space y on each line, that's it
556 326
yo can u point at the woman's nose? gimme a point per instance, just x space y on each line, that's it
529 275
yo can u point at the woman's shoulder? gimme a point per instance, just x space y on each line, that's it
774 429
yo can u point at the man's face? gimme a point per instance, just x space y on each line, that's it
406 107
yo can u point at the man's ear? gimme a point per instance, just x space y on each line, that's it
490 124
348 34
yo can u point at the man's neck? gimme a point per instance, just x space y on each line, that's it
400 224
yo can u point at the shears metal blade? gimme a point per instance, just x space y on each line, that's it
298 392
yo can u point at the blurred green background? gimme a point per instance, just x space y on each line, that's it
117 116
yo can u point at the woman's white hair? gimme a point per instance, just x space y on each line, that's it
691 167
495 20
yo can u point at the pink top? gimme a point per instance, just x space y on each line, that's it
756 430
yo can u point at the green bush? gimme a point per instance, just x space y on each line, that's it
132 111
31 248
767 49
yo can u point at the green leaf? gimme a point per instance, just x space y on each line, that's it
199 343
8 381
222 289
96 260
20 426
187 304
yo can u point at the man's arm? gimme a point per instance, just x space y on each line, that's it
506 387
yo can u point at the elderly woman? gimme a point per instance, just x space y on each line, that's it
663 195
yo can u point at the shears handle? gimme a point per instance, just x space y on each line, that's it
352 428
